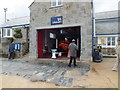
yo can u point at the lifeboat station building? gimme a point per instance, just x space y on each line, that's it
107 32
54 24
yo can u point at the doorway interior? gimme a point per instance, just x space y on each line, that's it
59 39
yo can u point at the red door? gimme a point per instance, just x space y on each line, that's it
40 43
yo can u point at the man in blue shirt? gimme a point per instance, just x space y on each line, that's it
11 50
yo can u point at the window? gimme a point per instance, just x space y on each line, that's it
59 2
55 3
102 41
113 41
6 32
109 41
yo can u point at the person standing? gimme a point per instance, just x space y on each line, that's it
116 65
11 49
73 52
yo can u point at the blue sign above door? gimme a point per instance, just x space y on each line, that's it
56 20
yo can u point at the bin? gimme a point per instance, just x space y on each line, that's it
97 57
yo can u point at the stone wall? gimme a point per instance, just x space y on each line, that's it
4 50
73 13
24 43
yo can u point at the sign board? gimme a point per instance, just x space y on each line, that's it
56 20
17 46
52 35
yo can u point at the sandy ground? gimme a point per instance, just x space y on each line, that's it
19 82
100 76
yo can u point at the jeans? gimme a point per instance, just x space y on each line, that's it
71 58
12 55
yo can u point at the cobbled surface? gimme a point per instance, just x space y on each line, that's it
57 73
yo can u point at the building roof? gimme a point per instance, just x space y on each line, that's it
31 4
108 14
22 21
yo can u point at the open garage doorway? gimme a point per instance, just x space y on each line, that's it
59 39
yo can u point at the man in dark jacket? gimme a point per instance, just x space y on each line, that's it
11 50
73 52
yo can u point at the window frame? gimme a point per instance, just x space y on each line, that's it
57 3
113 41
5 32
106 39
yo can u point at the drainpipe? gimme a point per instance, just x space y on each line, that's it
93 28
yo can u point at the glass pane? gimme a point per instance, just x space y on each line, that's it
53 2
4 32
103 41
113 40
8 32
99 40
108 41
59 2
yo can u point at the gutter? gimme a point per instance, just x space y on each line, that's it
93 24
15 26
109 34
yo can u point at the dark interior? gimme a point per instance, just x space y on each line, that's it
54 37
